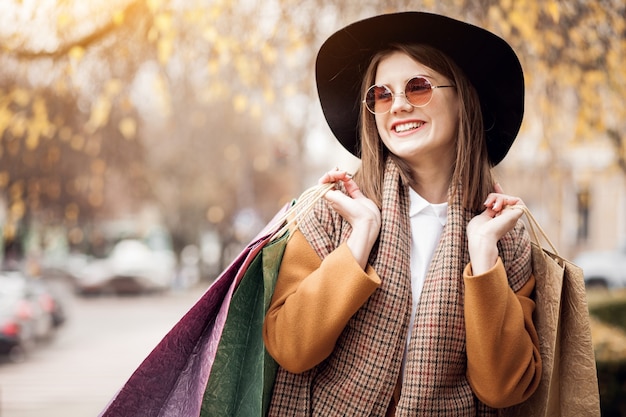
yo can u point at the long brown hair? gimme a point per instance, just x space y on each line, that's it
472 169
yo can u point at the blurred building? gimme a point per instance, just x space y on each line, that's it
576 192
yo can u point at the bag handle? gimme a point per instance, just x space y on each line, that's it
535 226
298 210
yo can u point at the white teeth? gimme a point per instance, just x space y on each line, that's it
408 126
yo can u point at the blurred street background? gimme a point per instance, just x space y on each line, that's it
144 142
79 370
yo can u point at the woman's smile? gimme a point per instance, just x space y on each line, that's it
407 126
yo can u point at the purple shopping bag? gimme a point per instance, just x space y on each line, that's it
172 378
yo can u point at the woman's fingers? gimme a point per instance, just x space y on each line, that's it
335 175
498 201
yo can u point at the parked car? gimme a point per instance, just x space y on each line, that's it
51 299
26 314
604 269
133 266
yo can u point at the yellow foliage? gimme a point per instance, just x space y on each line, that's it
153 35
76 53
245 69
78 142
269 53
495 15
20 96
100 111
18 125
9 230
193 17
163 22
214 13
128 127
38 125
17 209
164 34
64 20
595 78
214 66
553 10
32 140
118 18
17 190
240 103
269 95
523 21
154 5
210 34
6 116
256 111
126 104
554 39
65 133
113 87
215 91
165 47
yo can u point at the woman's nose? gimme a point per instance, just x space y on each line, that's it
400 103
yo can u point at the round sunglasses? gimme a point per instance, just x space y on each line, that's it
418 92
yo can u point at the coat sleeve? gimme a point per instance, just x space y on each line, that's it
503 360
312 303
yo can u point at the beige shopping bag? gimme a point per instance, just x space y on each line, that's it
569 383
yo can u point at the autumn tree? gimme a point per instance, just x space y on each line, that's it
207 108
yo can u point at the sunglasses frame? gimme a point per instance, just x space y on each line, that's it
403 93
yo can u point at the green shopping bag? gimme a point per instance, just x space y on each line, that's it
243 373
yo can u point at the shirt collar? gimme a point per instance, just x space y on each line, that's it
419 205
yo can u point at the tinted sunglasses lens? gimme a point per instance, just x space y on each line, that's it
418 91
378 99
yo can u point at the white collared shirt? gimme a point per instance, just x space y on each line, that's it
427 222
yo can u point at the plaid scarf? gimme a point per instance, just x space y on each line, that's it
359 377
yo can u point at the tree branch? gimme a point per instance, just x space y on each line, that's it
134 8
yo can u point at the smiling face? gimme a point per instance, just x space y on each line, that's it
419 135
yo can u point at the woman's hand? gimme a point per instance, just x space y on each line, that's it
358 210
485 230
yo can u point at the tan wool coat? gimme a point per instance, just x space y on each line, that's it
339 332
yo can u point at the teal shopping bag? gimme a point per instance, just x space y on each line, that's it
243 373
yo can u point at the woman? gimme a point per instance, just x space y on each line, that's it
408 290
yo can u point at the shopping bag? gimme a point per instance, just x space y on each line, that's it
172 379
242 376
243 373
569 384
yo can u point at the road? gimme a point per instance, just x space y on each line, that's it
90 358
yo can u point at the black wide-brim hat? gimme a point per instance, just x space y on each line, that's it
487 60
